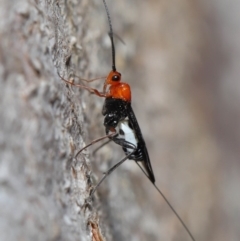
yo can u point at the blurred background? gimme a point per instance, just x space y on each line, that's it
182 60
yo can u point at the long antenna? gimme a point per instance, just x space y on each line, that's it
111 36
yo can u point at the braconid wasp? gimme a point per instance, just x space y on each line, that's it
121 125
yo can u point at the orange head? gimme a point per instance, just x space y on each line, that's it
113 78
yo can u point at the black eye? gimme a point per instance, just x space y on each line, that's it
115 78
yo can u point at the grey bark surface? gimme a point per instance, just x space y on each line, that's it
43 189
179 60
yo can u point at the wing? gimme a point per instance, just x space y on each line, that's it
141 144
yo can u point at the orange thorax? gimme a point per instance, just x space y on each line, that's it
120 91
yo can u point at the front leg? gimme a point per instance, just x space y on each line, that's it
91 90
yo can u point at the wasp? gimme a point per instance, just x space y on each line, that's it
121 125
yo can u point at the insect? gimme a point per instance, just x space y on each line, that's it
121 125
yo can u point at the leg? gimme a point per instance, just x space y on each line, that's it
91 90
95 141
127 145
90 80
105 143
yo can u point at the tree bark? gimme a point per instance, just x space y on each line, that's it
43 188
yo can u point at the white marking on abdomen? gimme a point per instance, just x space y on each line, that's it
129 134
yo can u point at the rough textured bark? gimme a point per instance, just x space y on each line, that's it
173 59
43 188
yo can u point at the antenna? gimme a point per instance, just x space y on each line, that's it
110 35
